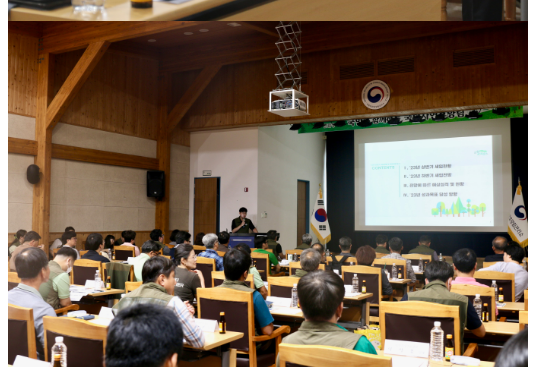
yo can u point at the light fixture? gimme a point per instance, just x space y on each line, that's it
364 123
203 30
295 127
394 121
439 117
501 111
473 115
188 33
416 119
234 24
152 40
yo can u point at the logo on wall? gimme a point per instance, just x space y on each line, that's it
376 94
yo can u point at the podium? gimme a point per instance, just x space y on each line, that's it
247 238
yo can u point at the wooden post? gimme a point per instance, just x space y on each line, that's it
163 152
443 10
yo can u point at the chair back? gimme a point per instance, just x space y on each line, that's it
488 264
262 263
339 257
84 269
86 341
206 266
328 356
221 253
119 274
83 252
523 319
504 280
281 286
372 276
55 251
218 277
12 280
380 255
132 285
413 321
20 333
415 258
387 263
294 266
526 299
124 252
487 295
293 251
199 249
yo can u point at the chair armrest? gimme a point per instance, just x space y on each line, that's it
67 308
275 333
278 274
471 350
388 296
502 319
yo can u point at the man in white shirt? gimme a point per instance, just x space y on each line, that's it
128 237
513 257
69 240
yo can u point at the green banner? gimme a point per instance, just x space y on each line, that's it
427 118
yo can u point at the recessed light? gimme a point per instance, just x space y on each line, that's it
234 24
152 40
188 33
203 30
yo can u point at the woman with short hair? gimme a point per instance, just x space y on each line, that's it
187 279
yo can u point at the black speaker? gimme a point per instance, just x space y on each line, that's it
156 184
32 174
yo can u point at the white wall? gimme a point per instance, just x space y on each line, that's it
284 158
231 155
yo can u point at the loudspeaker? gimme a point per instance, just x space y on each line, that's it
32 174
156 184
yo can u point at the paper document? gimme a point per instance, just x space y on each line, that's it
100 321
207 325
279 301
285 310
407 348
106 313
22 361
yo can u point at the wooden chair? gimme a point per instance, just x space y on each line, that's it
83 252
20 333
339 257
415 258
488 264
218 277
12 280
221 253
294 266
166 256
401 266
380 255
199 249
504 280
132 285
487 295
262 262
328 356
523 319
206 266
293 251
86 341
281 286
526 298
239 315
55 251
84 269
124 252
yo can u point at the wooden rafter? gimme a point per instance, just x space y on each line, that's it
252 26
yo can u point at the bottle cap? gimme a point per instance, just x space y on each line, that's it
485 304
222 313
494 281
355 274
477 295
59 339
449 336
437 324
295 285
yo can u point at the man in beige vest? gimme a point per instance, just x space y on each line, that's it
56 291
321 297
309 261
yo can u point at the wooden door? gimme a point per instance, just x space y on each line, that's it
302 211
206 205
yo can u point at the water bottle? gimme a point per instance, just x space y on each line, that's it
440 257
436 343
393 274
355 284
294 302
525 264
59 353
477 304
327 253
351 263
420 265
98 281
494 286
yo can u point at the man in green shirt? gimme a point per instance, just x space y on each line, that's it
56 291
424 248
261 246
309 262
307 240
381 244
321 297
148 250
241 224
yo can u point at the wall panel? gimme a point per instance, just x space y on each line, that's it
22 77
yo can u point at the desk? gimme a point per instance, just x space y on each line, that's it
501 328
105 293
220 342
444 363
513 306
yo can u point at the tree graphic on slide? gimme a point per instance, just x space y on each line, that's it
458 207
482 208
475 210
469 205
435 211
441 207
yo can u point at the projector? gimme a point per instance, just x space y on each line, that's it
288 103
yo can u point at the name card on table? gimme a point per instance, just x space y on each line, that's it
279 301
207 325
348 291
90 284
22 361
106 313
407 348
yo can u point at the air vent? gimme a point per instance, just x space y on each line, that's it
304 78
396 66
477 56
356 71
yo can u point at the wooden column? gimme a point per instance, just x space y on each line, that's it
163 153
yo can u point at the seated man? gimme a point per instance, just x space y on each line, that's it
94 245
396 247
31 239
157 236
223 241
320 248
128 237
236 265
58 241
381 244
497 245
482 10
345 244
182 237
438 278
158 287
32 267
321 297
424 247
309 262
172 240
365 256
211 243
261 246
144 336
257 280
56 290
69 239
513 257
273 244
307 240
148 250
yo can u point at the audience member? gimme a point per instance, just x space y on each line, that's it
56 291
309 262
157 236
128 237
94 245
148 250
320 248
19 239
307 240
223 241
321 297
345 244
257 279
497 245
109 242
144 336
172 240
183 237
210 241
515 353
381 244
272 238
261 246
187 278
512 259
236 266
438 278
424 247
69 239
58 242
158 286
365 256
31 239
32 268
396 247
199 239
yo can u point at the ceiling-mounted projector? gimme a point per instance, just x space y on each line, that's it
289 103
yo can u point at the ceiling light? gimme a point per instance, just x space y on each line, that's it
203 30
152 40
234 24
188 33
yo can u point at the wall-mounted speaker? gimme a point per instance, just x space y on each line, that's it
156 184
32 174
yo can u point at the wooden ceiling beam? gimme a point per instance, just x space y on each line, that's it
258 28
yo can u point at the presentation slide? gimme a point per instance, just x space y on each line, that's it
434 177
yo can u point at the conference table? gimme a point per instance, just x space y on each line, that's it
106 293
215 342
444 363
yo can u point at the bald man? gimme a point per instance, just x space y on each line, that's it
497 245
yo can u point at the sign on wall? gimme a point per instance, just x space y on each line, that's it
376 94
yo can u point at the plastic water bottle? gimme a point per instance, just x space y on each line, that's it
393 274
494 286
59 353
294 302
98 280
436 343
440 257
355 284
351 263
327 253
420 265
525 264
477 304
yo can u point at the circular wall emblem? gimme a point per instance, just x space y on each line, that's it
376 94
